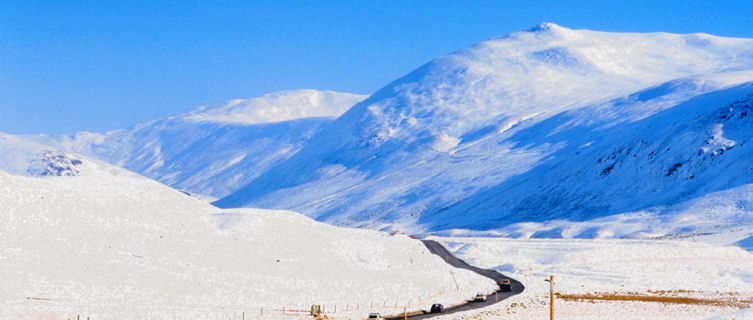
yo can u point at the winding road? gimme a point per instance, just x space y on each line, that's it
439 250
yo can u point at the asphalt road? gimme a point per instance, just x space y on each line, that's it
439 250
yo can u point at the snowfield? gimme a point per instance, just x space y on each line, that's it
722 274
109 244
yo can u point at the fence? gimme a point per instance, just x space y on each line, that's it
357 308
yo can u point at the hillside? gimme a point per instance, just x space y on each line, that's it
547 123
213 150
109 244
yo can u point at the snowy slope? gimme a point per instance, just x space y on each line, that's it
109 244
526 128
213 150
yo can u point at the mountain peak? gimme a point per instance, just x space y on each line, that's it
545 27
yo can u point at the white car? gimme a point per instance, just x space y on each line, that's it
479 297
376 316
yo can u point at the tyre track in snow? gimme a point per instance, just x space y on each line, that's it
436 248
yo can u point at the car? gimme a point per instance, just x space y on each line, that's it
437 308
376 316
506 285
479 297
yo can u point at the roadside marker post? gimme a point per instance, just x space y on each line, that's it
551 296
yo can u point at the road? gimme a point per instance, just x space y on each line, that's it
439 250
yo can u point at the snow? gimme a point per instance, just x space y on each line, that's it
609 265
22 156
544 133
110 244
213 150
537 126
721 218
548 132
277 107
739 315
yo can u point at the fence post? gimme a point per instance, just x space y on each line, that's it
244 315
261 311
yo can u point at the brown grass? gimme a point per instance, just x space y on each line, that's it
658 296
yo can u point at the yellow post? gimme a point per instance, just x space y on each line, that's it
551 297
405 313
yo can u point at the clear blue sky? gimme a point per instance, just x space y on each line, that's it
67 66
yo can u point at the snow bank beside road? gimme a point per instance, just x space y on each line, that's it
640 267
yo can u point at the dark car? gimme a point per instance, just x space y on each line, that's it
506 285
437 308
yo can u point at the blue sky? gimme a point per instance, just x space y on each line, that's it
68 66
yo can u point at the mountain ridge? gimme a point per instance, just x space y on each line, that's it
212 149
443 132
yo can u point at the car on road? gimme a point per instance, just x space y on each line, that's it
506 285
437 308
480 297
375 316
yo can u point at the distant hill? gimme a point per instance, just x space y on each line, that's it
213 150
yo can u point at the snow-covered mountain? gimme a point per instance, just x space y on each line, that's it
110 244
213 150
547 123
20 155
